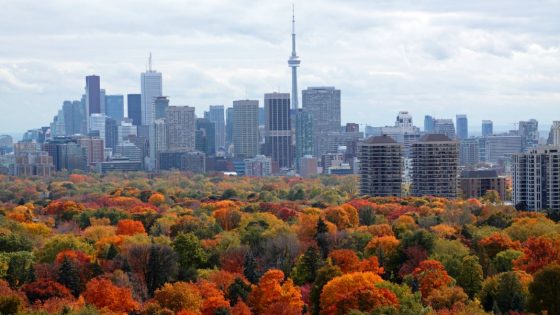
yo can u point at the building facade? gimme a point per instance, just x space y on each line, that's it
529 133
114 107
435 166
134 106
536 179
151 88
462 127
487 128
181 126
445 127
476 183
381 166
93 95
216 115
323 104
259 166
245 128
278 129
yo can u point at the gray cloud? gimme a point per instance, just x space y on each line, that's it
490 59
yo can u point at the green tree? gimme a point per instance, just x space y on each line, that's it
59 243
324 275
510 295
251 268
305 270
503 262
409 303
367 216
322 238
470 277
544 291
190 254
112 252
69 276
14 243
238 290
20 269
162 267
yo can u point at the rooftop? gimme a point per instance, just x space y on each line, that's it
434 137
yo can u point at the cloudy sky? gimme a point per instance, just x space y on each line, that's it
490 59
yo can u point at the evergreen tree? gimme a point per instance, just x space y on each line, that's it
305 270
69 276
162 267
322 238
112 252
250 268
238 290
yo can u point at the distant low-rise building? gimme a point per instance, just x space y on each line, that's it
308 166
119 164
476 183
259 166
190 161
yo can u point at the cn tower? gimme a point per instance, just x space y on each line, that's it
294 62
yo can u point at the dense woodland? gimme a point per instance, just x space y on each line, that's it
192 244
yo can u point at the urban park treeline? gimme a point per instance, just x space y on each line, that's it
215 245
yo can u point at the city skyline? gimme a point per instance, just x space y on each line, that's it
505 66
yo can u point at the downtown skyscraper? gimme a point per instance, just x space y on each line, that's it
216 115
278 129
323 103
245 128
151 88
462 124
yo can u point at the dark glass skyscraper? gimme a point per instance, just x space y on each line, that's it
278 129
134 103
205 140
93 95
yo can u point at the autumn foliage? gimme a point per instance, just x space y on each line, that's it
355 291
177 243
105 295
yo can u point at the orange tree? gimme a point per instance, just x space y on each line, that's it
355 291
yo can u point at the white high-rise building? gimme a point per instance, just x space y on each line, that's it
151 88
97 123
536 178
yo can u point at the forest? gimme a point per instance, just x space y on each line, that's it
175 243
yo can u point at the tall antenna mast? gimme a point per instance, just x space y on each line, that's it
294 62
150 62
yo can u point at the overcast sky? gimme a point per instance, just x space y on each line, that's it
490 59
